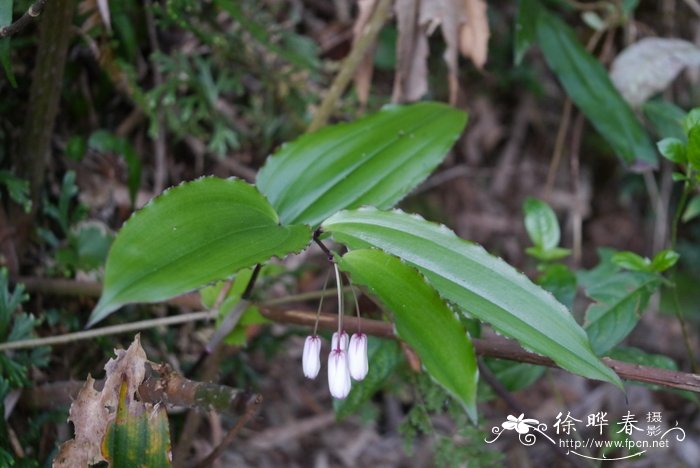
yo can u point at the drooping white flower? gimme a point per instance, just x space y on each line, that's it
311 359
343 341
338 374
357 356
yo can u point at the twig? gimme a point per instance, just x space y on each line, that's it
68 287
105 331
494 347
32 12
162 385
577 218
251 409
347 70
506 163
159 144
558 147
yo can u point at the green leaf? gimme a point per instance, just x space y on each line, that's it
384 357
192 235
666 118
631 261
548 255
691 120
422 319
664 260
587 83
138 437
513 375
374 161
17 188
525 27
620 299
673 149
692 209
693 151
541 224
260 34
485 286
560 281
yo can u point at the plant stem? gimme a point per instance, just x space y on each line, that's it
32 12
105 331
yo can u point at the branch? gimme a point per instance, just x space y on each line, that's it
162 385
496 347
34 10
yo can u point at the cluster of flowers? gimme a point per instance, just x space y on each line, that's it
343 362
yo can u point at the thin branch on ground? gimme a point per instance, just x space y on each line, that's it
497 347
32 13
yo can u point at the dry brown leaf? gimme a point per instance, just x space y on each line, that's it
411 78
474 32
363 74
464 27
93 411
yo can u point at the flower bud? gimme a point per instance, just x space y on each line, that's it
311 360
357 356
343 341
338 374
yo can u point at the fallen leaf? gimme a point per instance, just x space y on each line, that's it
474 32
464 27
650 65
94 411
363 74
411 77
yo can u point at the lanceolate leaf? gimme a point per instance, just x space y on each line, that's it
587 83
191 235
422 319
485 286
374 161
525 27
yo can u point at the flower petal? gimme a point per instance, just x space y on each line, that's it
357 356
311 358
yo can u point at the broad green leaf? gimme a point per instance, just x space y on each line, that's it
485 286
664 260
666 118
560 281
620 299
693 149
692 209
421 318
138 437
541 224
589 86
384 357
631 261
673 149
192 235
525 27
691 120
374 161
513 375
